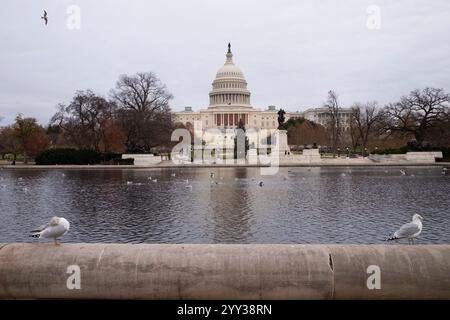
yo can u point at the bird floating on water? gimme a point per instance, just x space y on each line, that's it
45 17
261 183
129 183
173 174
409 230
56 228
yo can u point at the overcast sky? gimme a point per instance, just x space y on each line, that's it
291 52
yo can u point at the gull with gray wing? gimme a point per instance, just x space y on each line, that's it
409 230
55 229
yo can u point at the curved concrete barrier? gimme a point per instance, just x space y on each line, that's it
153 271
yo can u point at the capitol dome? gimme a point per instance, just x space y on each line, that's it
229 86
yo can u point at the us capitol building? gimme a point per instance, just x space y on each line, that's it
229 103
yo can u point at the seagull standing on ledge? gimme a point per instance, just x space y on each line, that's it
45 17
409 230
55 229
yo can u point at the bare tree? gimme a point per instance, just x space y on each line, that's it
417 113
85 120
365 117
334 122
439 134
354 133
144 111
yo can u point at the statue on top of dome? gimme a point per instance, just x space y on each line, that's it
229 47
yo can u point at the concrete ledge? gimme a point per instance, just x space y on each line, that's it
416 157
143 159
423 156
151 271
168 165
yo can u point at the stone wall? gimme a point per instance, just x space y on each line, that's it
143 159
416 157
178 271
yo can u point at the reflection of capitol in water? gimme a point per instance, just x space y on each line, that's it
229 104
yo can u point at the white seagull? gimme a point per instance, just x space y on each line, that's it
403 172
55 229
409 230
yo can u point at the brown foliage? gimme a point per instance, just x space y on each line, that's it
303 132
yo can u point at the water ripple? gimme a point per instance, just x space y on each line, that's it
298 205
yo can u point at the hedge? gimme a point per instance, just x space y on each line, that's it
68 156
402 150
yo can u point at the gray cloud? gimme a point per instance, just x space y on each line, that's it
292 52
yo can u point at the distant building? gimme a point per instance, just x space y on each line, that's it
322 116
229 103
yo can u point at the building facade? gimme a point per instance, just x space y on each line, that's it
230 103
322 116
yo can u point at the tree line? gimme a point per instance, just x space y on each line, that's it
419 120
135 117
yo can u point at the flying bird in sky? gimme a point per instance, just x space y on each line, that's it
45 17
